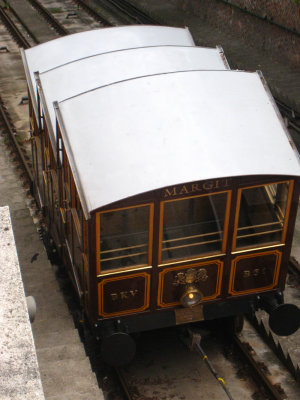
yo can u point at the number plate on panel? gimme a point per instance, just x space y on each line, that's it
186 315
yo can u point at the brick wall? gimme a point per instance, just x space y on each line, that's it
283 12
255 32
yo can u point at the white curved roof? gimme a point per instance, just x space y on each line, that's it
80 76
146 133
84 44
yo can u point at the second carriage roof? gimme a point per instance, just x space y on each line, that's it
85 44
156 131
86 74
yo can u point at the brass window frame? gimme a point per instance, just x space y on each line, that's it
234 249
150 240
204 255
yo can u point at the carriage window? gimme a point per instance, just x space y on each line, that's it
193 227
77 205
261 215
125 237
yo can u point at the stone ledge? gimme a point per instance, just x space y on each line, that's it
19 371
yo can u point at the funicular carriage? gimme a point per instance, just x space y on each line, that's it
169 182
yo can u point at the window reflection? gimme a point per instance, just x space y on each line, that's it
192 227
261 215
124 237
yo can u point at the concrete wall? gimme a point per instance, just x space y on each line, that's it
256 32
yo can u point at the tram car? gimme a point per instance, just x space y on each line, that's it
168 181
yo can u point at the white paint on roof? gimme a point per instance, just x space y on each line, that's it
157 131
85 44
89 73
19 373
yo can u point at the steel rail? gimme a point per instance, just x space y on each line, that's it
258 374
123 384
91 11
193 341
292 116
294 126
11 132
16 34
287 108
23 24
133 12
294 265
49 17
275 345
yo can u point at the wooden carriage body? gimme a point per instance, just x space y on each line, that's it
160 168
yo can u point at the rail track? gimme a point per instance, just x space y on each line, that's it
9 128
277 344
291 116
124 11
129 11
258 370
15 32
60 29
93 13
151 376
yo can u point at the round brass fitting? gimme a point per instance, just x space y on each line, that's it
191 296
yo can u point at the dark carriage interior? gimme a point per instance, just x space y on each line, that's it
193 226
261 217
124 237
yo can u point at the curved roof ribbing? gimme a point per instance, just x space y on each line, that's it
84 44
140 110
90 73
155 131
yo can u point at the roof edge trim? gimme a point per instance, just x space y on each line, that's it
61 124
278 113
45 110
29 82
223 56
120 50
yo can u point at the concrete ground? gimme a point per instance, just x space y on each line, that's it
64 367
19 372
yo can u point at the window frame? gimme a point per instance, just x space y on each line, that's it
236 249
162 263
150 241
76 209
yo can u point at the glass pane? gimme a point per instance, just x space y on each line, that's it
77 206
261 217
193 226
39 164
124 236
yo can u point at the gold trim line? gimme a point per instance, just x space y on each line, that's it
258 248
123 271
193 259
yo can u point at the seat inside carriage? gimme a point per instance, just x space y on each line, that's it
262 214
193 226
